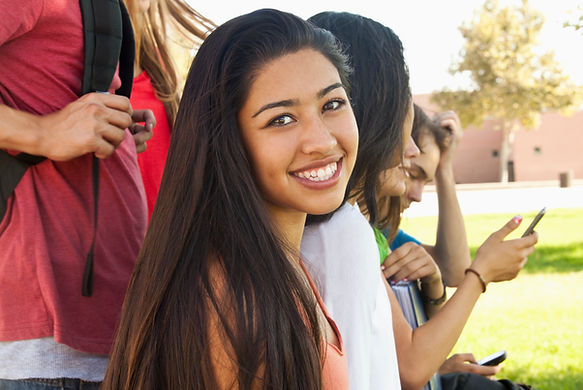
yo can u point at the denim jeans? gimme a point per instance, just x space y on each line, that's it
48 384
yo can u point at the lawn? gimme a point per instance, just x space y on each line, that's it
538 317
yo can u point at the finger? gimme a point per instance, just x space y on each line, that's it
112 135
145 116
142 136
104 149
115 102
484 370
394 265
467 357
525 242
509 227
141 148
119 119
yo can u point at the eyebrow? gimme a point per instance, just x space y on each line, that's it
290 102
413 165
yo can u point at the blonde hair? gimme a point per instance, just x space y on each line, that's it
165 22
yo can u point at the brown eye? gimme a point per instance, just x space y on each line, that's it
333 105
281 121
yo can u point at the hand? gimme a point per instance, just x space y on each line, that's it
94 123
411 261
450 121
497 260
142 132
465 362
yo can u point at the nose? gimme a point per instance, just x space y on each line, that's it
414 190
411 151
317 137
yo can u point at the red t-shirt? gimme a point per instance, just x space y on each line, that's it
152 160
47 230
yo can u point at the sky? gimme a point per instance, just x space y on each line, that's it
428 29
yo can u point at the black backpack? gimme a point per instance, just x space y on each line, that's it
108 37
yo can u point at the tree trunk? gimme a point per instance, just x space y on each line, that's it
505 149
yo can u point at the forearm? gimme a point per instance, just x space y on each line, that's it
19 130
451 250
421 352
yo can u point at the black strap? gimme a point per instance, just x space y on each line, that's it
87 285
108 37
103 24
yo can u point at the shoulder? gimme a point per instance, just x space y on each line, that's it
401 238
18 17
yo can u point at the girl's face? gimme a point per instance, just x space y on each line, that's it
393 180
300 133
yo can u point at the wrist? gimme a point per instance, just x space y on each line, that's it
431 299
476 274
444 174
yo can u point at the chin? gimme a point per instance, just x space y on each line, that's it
325 208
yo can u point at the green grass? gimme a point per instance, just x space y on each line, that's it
538 317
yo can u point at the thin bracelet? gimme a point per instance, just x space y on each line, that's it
437 301
482 281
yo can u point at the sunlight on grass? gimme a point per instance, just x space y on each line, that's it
538 316
537 319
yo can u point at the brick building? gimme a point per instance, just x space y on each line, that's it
540 154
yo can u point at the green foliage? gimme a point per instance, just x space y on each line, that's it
513 80
537 316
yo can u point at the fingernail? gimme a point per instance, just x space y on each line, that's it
382 267
517 219
405 279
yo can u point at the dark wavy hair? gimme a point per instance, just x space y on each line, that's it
380 97
210 216
425 126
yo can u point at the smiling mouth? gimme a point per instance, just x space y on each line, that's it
319 174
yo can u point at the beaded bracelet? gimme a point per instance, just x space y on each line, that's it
482 281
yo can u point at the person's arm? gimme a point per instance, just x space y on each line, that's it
421 352
94 123
451 250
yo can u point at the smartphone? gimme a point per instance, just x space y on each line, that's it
538 217
494 359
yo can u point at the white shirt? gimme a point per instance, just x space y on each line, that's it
343 258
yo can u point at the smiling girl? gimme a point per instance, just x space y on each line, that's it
220 299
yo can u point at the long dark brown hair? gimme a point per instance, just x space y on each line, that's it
211 216
380 97
165 21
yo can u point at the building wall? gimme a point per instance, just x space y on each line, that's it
555 147
539 154
476 159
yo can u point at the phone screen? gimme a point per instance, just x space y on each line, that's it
494 359
536 219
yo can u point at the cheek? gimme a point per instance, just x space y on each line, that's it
347 136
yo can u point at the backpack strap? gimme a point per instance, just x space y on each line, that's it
108 37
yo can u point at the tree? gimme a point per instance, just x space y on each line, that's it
576 21
513 80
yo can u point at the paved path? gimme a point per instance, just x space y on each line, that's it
497 198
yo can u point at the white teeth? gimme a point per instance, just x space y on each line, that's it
320 174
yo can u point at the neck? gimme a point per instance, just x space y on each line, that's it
291 227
